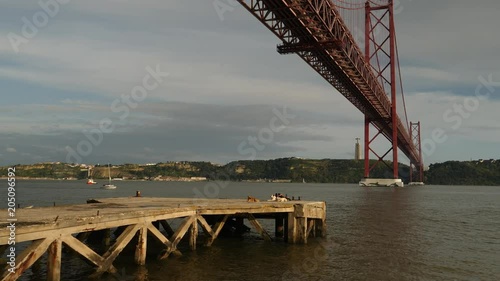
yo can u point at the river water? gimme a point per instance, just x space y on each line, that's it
415 233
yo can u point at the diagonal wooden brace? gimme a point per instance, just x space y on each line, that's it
29 256
116 249
259 228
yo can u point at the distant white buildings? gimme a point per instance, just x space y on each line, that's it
492 161
169 178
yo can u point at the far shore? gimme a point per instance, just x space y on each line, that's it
67 179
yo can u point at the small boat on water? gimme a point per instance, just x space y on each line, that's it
108 185
90 180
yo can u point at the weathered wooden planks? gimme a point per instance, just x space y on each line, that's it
50 228
37 223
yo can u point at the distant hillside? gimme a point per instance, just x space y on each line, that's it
290 169
297 170
285 169
45 170
480 172
126 171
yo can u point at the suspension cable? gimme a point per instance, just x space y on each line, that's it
401 82
348 5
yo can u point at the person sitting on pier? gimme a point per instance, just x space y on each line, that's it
252 199
278 197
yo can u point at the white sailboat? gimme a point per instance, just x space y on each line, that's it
109 185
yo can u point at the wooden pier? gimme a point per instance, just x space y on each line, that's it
49 228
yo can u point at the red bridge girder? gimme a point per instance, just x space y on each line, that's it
304 26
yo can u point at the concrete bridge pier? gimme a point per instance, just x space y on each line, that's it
381 182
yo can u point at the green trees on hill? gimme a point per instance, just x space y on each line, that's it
172 169
465 173
293 169
45 170
297 170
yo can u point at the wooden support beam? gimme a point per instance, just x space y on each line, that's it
193 234
301 230
158 235
116 249
207 229
46 230
54 261
320 226
141 247
298 220
310 228
31 254
179 233
164 240
167 228
217 229
278 226
285 229
292 228
259 228
84 251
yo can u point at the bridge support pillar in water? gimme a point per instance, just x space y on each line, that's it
381 182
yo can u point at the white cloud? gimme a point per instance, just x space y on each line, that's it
94 51
429 74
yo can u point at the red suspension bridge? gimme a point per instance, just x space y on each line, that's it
327 35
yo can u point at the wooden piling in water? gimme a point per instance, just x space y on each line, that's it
140 250
193 233
136 217
54 260
278 226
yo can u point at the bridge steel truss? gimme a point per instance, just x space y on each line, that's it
419 167
315 31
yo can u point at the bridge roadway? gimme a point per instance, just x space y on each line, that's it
314 30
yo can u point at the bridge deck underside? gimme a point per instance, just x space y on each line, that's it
314 30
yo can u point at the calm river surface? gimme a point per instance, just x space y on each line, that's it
415 233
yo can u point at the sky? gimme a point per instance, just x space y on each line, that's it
148 81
